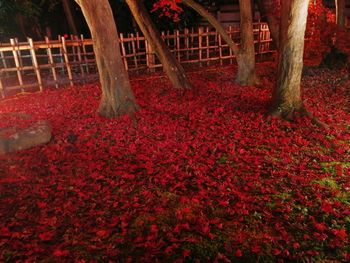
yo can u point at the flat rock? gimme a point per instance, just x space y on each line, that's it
37 134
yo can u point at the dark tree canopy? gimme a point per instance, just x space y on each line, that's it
34 18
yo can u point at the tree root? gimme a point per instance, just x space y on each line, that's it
289 115
314 120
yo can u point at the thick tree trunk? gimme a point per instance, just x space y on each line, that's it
171 66
117 96
267 9
286 98
340 12
69 15
246 75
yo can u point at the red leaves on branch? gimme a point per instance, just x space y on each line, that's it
168 8
322 33
197 175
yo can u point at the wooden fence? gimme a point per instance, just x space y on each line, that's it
32 66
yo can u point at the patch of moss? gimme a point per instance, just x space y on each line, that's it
329 167
328 182
206 250
283 196
343 197
223 159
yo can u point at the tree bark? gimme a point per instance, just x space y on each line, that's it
171 66
340 12
246 70
69 15
246 75
117 96
266 9
216 24
286 98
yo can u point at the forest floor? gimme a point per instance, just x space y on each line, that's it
196 176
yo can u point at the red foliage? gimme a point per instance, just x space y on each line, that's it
322 32
319 31
168 8
197 174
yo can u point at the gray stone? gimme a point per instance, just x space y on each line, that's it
37 134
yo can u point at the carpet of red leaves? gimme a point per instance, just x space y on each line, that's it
197 175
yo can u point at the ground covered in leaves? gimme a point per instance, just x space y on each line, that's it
196 175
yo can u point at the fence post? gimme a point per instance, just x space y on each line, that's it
134 51
200 32
122 43
73 49
18 67
84 54
230 50
187 43
129 43
80 60
267 36
177 36
19 53
259 42
220 48
149 56
35 63
192 40
138 40
3 59
61 56
259 39
168 39
51 61
66 61
1 88
208 44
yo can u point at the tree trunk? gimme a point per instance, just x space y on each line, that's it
215 23
117 96
171 66
20 22
69 15
246 75
267 9
340 12
36 29
286 98
221 31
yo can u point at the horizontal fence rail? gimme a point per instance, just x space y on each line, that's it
32 66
